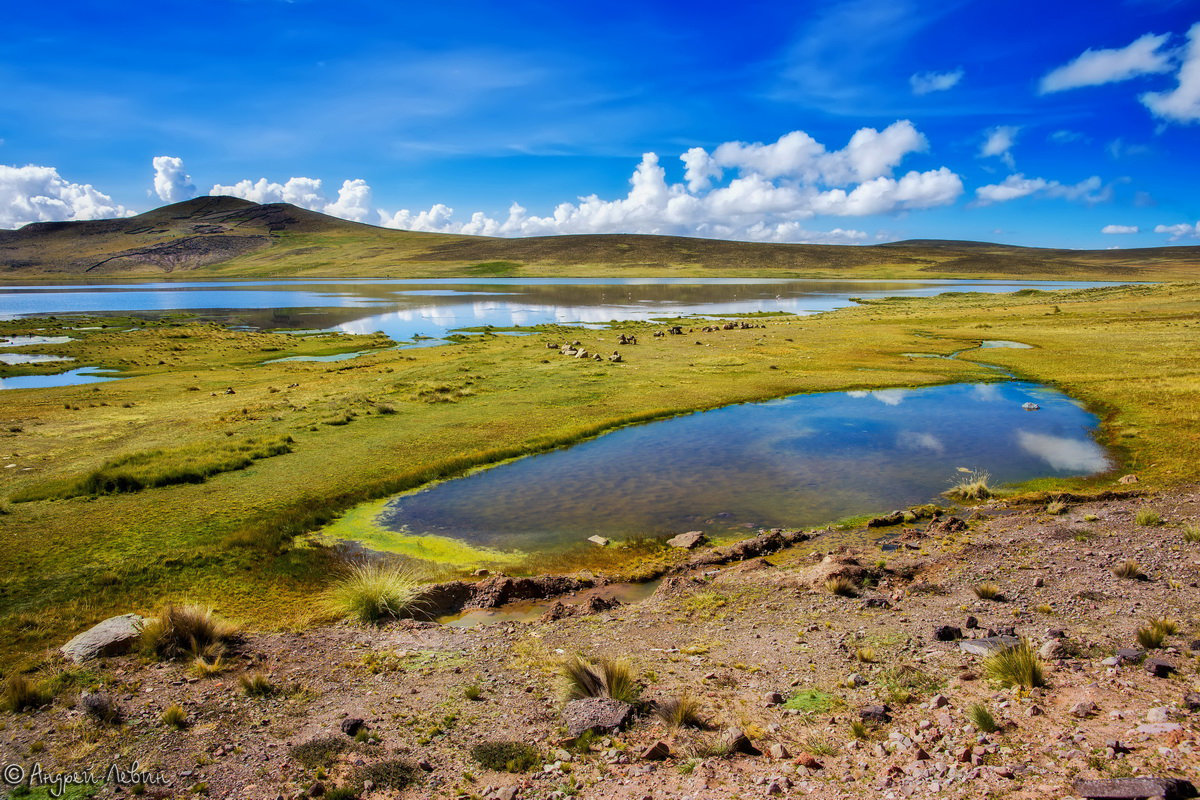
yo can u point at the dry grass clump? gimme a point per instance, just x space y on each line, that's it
256 685
1129 569
1151 637
1018 665
20 693
100 706
615 678
1056 507
972 486
506 756
1191 534
175 717
373 592
186 632
681 711
1148 517
319 752
982 719
987 591
841 586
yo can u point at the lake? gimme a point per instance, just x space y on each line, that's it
797 461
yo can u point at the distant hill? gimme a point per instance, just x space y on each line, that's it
227 237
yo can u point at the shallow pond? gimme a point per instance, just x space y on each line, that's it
435 307
797 461
73 377
30 358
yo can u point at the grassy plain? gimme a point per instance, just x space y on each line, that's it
394 419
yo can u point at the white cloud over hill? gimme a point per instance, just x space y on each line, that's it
39 194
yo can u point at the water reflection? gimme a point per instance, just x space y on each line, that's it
796 461
72 377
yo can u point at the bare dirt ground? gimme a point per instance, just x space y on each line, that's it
733 637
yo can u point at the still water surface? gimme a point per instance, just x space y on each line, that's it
802 460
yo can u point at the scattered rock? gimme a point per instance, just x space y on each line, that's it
808 761
894 518
773 699
734 740
689 540
988 644
1160 714
599 540
875 714
946 633
1133 788
1053 649
352 725
1159 668
1191 701
111 637
1084 709
599 714
947 525
876 602
778 752
658 751
1128 479
972 623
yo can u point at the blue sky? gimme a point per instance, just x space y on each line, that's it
861 121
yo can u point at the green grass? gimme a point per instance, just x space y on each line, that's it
972 486
506 756
22 694
813 701
1018 665
180 632
1148 517
373 592
1151 637
256 685
681 711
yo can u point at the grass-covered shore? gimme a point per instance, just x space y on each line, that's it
214 528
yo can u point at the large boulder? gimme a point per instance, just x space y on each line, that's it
988 645
599 714
688 540
111 637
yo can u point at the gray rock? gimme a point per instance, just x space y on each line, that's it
1084 709
1158 667
1158 728
734 740
988 645
946 633
1133 788
1160 714
688 540
599 714
352 725
111 637
875 714
598 540
1053 649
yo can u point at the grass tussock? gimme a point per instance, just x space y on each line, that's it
319 752
100 707
374 592
257 685
208 668
187 632
506 756
681 711
175 717
865 655
392 774
982 719
615 678
841 586
1191 534
1130 570
971 486
1148 517
150 469
1150 637
22 694
1018 665
987 591
1056 508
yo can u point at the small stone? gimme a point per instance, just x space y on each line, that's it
972 623
688 541
1158 667
734 740
938 701
778 752
600 714
1117 746
1161 714
1084 709
1130 655
773 699
599 541
1035 711
658 751
808 762
874 714
352 725
1039 582
946 633
1053 649
921 755
1191 701
963 755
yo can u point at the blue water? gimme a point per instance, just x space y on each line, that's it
802 460
72 377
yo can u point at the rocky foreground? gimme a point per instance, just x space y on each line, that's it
875 692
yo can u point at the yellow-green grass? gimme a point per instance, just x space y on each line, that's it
1130 354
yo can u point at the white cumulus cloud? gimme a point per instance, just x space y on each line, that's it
1145 56
1181 104
1116 229
998 142
171 182
353 201
739 190
928 82
1091 190
1181 231
39 194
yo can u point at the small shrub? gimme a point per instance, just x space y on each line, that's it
1018 665
613 678
100 706
1169 627
20 694
1151 637
392 774
256 685
205 668
175 717
982 719
473 692
904 682
841 586
972 486
865 654
506 756
1191 534
374 592
1148 517
1129 569
319 752
186 631
987 591
341 793
681 711
859 729
819 745
1056 507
